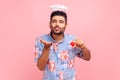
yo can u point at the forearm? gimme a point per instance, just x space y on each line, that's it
42 61
86 53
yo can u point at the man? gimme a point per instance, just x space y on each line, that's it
56 51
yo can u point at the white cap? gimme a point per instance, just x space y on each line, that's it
58 7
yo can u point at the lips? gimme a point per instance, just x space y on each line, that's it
57 28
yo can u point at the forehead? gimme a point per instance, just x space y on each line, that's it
58 17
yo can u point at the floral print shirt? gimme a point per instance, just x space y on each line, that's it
60 65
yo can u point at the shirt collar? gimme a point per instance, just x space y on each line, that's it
51 38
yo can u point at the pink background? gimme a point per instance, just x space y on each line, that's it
96 22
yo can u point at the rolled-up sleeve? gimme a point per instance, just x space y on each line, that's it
38 49
79 52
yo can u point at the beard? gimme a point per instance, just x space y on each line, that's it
60 33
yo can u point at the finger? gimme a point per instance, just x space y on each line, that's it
79 42
45 42
42 41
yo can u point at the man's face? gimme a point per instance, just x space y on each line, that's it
58 25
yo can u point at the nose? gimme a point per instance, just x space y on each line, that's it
57 24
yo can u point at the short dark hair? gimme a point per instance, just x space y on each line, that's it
59 13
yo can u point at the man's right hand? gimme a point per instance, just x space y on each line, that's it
46 44
42 61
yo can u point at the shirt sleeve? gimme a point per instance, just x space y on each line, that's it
79 52
38 49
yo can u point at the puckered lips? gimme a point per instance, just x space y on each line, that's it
57 28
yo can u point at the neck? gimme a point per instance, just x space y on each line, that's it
57 37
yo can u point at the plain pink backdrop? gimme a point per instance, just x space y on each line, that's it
96 22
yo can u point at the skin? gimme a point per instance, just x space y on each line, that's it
58 26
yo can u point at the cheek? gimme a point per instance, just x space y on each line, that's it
53 25
62 25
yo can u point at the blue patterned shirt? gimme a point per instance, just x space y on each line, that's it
62 55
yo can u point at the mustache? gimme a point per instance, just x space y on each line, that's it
57 27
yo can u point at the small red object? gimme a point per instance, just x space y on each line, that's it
72 43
